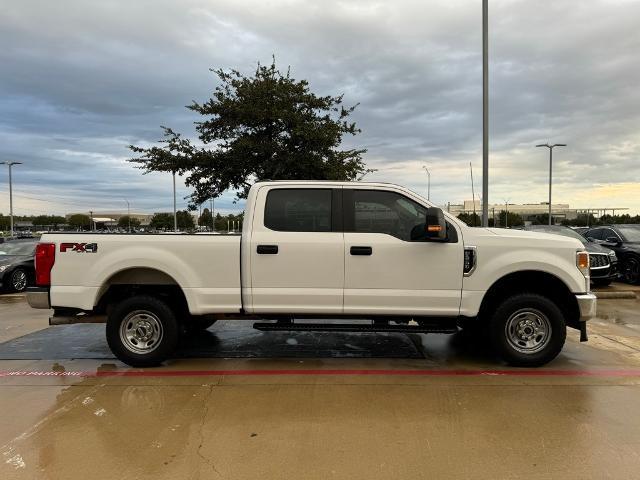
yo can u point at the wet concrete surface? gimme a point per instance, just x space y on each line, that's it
419 406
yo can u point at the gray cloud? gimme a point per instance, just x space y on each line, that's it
82 80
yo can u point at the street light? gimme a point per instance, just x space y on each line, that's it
175 214
506 212
428 182
10 164
551 147
485 113
128 214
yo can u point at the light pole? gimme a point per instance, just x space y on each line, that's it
128 214
506 212
551 147
10 164
428 182
175 214
485 113
213 221
91 221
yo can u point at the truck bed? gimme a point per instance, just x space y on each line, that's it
206 267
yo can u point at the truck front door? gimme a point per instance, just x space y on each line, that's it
385 272
297 251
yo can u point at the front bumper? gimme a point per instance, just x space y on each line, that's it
38 297
587 303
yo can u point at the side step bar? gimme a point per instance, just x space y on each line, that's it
353 327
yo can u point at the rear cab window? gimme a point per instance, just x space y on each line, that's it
298 210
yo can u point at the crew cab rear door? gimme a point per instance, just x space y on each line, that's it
297 251
385 272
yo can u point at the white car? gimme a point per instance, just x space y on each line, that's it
323 250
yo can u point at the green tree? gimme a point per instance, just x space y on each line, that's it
126 221
228 222
205 218
162 221
185 220
514 220
264 126
48 220
471 219
79 221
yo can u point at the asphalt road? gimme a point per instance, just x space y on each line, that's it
245 404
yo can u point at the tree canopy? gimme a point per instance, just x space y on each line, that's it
264 126
164 221
79 221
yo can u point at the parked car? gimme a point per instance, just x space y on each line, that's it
625 241
323 250
17 264
603 261
580 230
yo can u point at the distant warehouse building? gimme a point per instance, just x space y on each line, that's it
110 219
528 211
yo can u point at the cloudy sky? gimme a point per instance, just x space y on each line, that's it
79 81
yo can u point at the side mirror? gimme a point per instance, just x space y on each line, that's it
433 230
435 226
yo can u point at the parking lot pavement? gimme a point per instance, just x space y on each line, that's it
441 408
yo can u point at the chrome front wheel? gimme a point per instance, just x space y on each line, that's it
528 330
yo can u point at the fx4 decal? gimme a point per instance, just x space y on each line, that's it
79 247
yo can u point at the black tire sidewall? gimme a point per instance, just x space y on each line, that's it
170 331
545 306
629 261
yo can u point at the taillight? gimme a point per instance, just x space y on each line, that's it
45 258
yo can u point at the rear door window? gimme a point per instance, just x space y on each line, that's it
298 210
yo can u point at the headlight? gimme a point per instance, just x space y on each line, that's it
3 268
612 254
582 262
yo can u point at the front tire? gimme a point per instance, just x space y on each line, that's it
602 283
142 331
528 330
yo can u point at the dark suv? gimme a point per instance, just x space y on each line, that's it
604 264
625 241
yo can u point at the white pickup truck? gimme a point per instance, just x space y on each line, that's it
323 250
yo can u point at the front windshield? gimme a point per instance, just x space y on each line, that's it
17 248
565 232
630 233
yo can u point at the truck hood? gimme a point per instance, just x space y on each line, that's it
536 239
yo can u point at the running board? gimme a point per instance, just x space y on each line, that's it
352 327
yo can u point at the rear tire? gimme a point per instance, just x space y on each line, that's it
528 330
142 331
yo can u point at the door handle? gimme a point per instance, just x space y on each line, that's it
361 250
267 249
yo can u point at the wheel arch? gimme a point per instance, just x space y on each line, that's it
532 281
133 281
